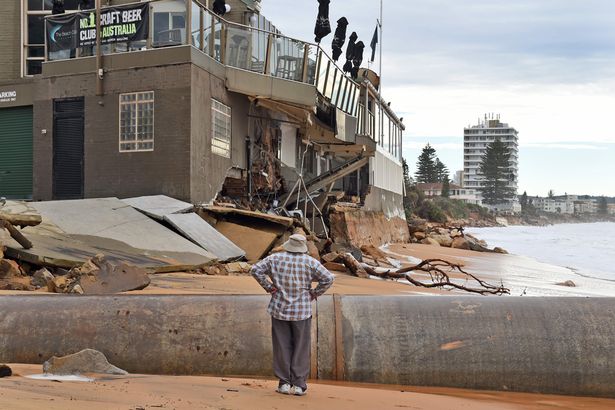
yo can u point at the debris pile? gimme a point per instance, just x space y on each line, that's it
85 361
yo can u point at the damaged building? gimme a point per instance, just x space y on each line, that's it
199 107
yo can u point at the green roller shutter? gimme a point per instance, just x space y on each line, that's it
16 152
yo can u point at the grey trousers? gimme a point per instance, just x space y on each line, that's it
291 350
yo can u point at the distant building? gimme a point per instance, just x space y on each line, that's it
475 141
559 205
585 206
611 209
458 178
469 196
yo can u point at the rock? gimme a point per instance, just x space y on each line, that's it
99 276
455 233
331 257
344 248
497 249
460 243
374 252
238 267
42 278
568 283
214 270
430 241
85 361
9 268
5 371
334 266
59 284
419 235
77 289
443 240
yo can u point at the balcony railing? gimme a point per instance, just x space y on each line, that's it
270 53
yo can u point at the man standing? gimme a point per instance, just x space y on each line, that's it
291 274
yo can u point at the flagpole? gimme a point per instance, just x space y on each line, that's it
380 62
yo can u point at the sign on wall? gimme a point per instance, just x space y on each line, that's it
117 24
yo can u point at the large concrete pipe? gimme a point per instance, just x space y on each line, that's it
548 345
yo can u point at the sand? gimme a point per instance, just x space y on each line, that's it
183 392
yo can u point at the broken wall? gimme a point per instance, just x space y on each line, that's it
208 170
360 227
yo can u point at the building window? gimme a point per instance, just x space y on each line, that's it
137 122
220 129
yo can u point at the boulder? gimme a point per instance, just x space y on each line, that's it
334 266
237 268
85 361
419 235
5 371
443 240
430 241
497 249
9 269
568 283
42 278
331 257
460 243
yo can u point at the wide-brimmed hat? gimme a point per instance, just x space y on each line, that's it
296 244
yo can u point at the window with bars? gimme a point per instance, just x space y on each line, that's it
137 122
220 129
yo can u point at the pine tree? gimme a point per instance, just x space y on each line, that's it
494 169
603 207
550 194
426 166
524 201
446 188
442 173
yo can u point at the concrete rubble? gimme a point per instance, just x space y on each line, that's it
85 361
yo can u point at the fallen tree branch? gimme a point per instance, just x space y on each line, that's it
439 277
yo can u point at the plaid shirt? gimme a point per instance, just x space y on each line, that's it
292 275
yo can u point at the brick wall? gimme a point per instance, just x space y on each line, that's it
10 38
107 172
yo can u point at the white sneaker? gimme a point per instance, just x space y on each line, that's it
299 391
283 389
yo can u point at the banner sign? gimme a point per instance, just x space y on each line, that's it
118 24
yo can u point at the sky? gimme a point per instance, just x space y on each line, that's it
546 66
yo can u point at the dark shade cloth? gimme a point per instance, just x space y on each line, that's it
58 7
219 7
323 27
357 59
291 341
339 38
374 43
350 52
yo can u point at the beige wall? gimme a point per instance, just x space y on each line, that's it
10 40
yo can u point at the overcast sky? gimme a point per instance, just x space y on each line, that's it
546 66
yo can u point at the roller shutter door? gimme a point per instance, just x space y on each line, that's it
16 152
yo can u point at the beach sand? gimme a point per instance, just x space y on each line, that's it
190 392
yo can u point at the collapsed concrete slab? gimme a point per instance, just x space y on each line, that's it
113 219
255 242
98 276
203 234
158 206
58 250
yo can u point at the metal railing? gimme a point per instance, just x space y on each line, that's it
172 23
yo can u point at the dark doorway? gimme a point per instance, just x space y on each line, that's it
68 119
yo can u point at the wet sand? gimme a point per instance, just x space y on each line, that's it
190 392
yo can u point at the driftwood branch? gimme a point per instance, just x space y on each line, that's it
438 270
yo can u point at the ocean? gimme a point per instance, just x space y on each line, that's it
587 249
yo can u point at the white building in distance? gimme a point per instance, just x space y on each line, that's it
475 141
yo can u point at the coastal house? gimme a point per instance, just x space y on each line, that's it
183 102
431 190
